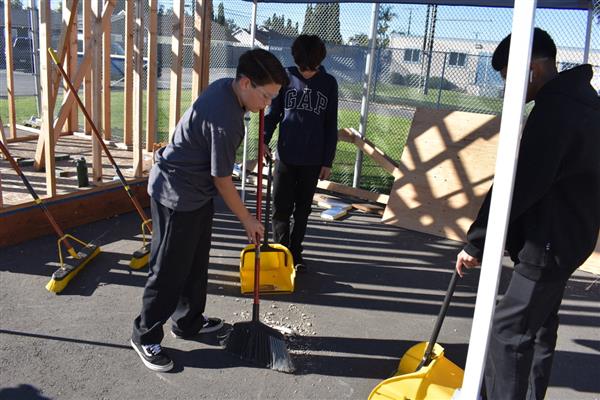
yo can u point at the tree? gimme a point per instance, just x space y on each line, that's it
277 23
383 25
360 39
308 26
334 20
16 4
323 15
221 14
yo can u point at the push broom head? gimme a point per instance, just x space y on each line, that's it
260 344
140 257
70 268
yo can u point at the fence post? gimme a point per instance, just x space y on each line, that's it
364 106
441 81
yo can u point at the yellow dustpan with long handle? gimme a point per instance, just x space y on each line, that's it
424 373
277 273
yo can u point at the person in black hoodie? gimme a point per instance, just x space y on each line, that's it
554 220
306 111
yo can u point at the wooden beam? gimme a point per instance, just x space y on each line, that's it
152 74
3 139
106 51
351 135
23 139
176 67
71 59
138 70
96 88
2 135
206 37
354 192
87 80
47 105
69 100
201 60
69 18
128 94
26 221
10 81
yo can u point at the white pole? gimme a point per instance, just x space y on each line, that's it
247 115
588 33
364 106
506 163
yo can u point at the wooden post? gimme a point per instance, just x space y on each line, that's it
106 52
63 42
82 71
128 95
71 57
47 104
176 67
10 82
87 81
2 135
3 139
138 58
206 36
152 73
96 87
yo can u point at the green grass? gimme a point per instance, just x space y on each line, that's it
387 132
410 96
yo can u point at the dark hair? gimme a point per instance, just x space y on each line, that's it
308 52
261 67
543 46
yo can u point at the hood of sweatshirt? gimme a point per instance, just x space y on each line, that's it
573 83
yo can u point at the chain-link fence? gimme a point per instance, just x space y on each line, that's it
425 56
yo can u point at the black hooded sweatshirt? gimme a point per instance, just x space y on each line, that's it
555 214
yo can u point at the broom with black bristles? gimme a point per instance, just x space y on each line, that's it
253 340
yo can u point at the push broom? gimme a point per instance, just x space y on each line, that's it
253 340
140 257
72 265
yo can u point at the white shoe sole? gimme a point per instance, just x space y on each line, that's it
149 365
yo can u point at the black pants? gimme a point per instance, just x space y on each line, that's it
523 339
293 190
178 275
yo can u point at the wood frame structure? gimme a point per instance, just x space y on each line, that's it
93 73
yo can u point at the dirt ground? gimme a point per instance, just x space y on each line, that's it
372 291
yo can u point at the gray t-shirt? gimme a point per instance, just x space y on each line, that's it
203 146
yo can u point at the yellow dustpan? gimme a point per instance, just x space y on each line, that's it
277 273
424 373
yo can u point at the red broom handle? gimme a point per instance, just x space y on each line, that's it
261 153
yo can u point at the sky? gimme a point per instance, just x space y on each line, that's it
484 23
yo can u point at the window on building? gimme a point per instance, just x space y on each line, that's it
412 55
457 59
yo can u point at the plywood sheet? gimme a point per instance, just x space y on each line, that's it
445 171
447 168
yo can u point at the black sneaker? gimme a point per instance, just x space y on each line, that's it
210 325
153 356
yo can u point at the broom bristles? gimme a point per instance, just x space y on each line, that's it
260 344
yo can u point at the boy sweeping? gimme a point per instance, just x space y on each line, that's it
193 168
306 111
